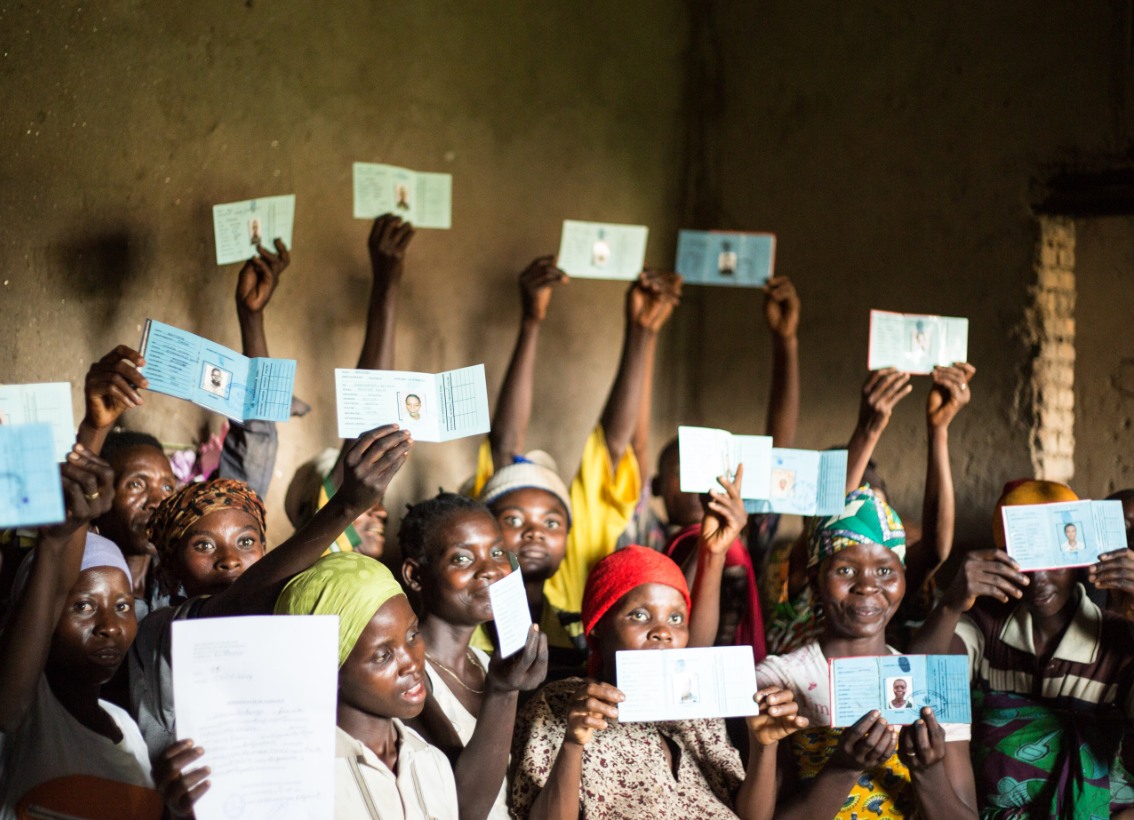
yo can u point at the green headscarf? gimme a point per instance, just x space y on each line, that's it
348 584
866 519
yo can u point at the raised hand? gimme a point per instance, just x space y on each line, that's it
371 462
865 745
881 393
922 744
536 284
179 788
389 239
591 705
949 394
725 515
112 387
778 716
985 572
781 307
88 491
260 277
523 671
651 299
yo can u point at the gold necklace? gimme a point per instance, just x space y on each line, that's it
455 676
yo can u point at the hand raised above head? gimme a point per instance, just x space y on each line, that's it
260 276
949 394
88 490
388 241
781 307
881 393
112 386
651 299
536 284
725 516
370 464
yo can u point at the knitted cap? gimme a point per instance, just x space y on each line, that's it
533 471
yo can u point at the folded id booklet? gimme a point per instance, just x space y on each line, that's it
240 226
510 613
432 406
47 403
31 492
899 686
422 198
598 250
914 343
187 366
1067 534
739 260
680 684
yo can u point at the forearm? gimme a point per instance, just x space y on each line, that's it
936 797
640 440
706 599
559 799
859 452
91 437
756 799
823 798
378 345
938 513
252 339
620 415
783 404
514 406
483 763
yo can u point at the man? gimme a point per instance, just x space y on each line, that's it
1072 544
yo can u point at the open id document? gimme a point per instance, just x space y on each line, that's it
264 717
1068 534
679 684
186 366
804 482
46 403
899 686
424 199
707 452
510 611
739 260
914 343
240 226
598 250
432 406
31 491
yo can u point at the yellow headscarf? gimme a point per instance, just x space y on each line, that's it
348 584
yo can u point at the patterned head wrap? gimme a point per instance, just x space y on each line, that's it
1026 491
348 584
188 505
866 519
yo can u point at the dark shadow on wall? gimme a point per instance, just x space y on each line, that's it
100 269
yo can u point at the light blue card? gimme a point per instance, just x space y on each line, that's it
899 686
31 491
240 226
47 403
916 343
805 482
186 366
601 250
425 199
1059 536
738 260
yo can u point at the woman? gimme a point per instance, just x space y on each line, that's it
856 563
573 759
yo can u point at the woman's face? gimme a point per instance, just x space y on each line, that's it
371 529
96 627
465 556
534 523
217 549
384 674
650 616
861 588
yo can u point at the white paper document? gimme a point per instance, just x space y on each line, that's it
1068 534
706 453
46 403
680 684
258 694
422 198
730 259
31 491
804 482
914 343
510 611
240 226
598 250
432 406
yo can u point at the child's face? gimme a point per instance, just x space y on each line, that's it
650 616
681 509
371 529
466 555
142 479
384 675
861 588
96 627
217 549
534 523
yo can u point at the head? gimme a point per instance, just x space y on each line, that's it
97 624
900 689
381 653
206 535
681 509
310 489
532 506
143 478
452 551
857 560
635 598
215 377
413 406
1071 532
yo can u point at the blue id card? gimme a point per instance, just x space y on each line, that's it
899 686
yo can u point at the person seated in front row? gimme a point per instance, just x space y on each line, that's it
868 769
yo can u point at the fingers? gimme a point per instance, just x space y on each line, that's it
732 488
776 702
386 433
88 484
890 389
1115 570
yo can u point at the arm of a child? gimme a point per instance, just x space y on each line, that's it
514 405
88 489
724 520
882 391
781 309
112 387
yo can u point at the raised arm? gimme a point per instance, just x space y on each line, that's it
649 304
882 391
389 239
112 387
88 489
371 462
724 520
514 406
781 309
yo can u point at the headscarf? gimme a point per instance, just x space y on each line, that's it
535 471
866 519
619 573
102 552
348 584
188 505
1027 491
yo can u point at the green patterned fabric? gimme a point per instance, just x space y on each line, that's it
866 519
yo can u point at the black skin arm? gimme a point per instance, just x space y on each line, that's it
781 309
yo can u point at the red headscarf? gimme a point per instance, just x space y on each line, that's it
616 575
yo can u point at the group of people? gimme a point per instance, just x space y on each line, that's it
433 722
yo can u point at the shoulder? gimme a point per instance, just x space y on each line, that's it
787 670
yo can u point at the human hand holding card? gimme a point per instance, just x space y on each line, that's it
240 227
